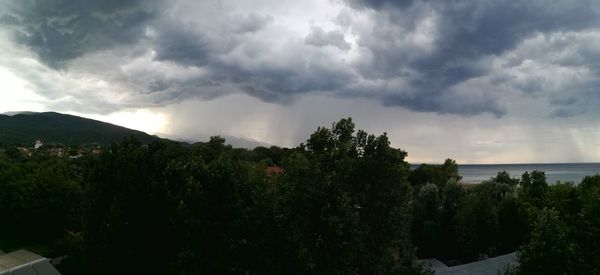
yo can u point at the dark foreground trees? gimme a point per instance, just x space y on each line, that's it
345 202
460 224
550 251
39 199
566 233
340 207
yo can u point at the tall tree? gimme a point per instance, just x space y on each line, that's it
350 195
535 187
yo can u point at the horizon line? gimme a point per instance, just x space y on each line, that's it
515 163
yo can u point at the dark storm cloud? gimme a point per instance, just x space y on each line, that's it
482 28
467 33
178 43
447 103
61 30
378 4
231 61
578 99
192 45
280 82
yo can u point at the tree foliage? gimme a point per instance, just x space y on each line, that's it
341 206
549 251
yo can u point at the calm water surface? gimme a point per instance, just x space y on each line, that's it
575 172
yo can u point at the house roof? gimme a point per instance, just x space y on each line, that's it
491 266
23 262
274 170
433 263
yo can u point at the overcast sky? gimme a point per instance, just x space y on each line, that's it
490 81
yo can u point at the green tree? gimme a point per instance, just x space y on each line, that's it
477 224
565 198
534 187
129 209
513 225
550 250
587 227
504 177
426 229
439 175
452 196
39 199
346 202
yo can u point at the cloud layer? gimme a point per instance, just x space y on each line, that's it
456 57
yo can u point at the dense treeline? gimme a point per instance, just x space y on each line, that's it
342 206
345 203
555 229
39 198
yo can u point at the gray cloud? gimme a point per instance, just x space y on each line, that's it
378 4
61 30
578 101
194 43
463 34
446 57
250 23
280 81
181 44
319 38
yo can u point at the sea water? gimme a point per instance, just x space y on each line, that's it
563 172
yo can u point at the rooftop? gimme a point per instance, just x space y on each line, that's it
23 262
491 266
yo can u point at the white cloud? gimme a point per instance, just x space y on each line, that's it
15 96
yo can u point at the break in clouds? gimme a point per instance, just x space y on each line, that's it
417 69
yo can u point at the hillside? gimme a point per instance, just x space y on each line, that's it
52 127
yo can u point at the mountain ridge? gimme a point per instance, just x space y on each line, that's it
25 127
53 127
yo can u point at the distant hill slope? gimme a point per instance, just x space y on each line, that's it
52 127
